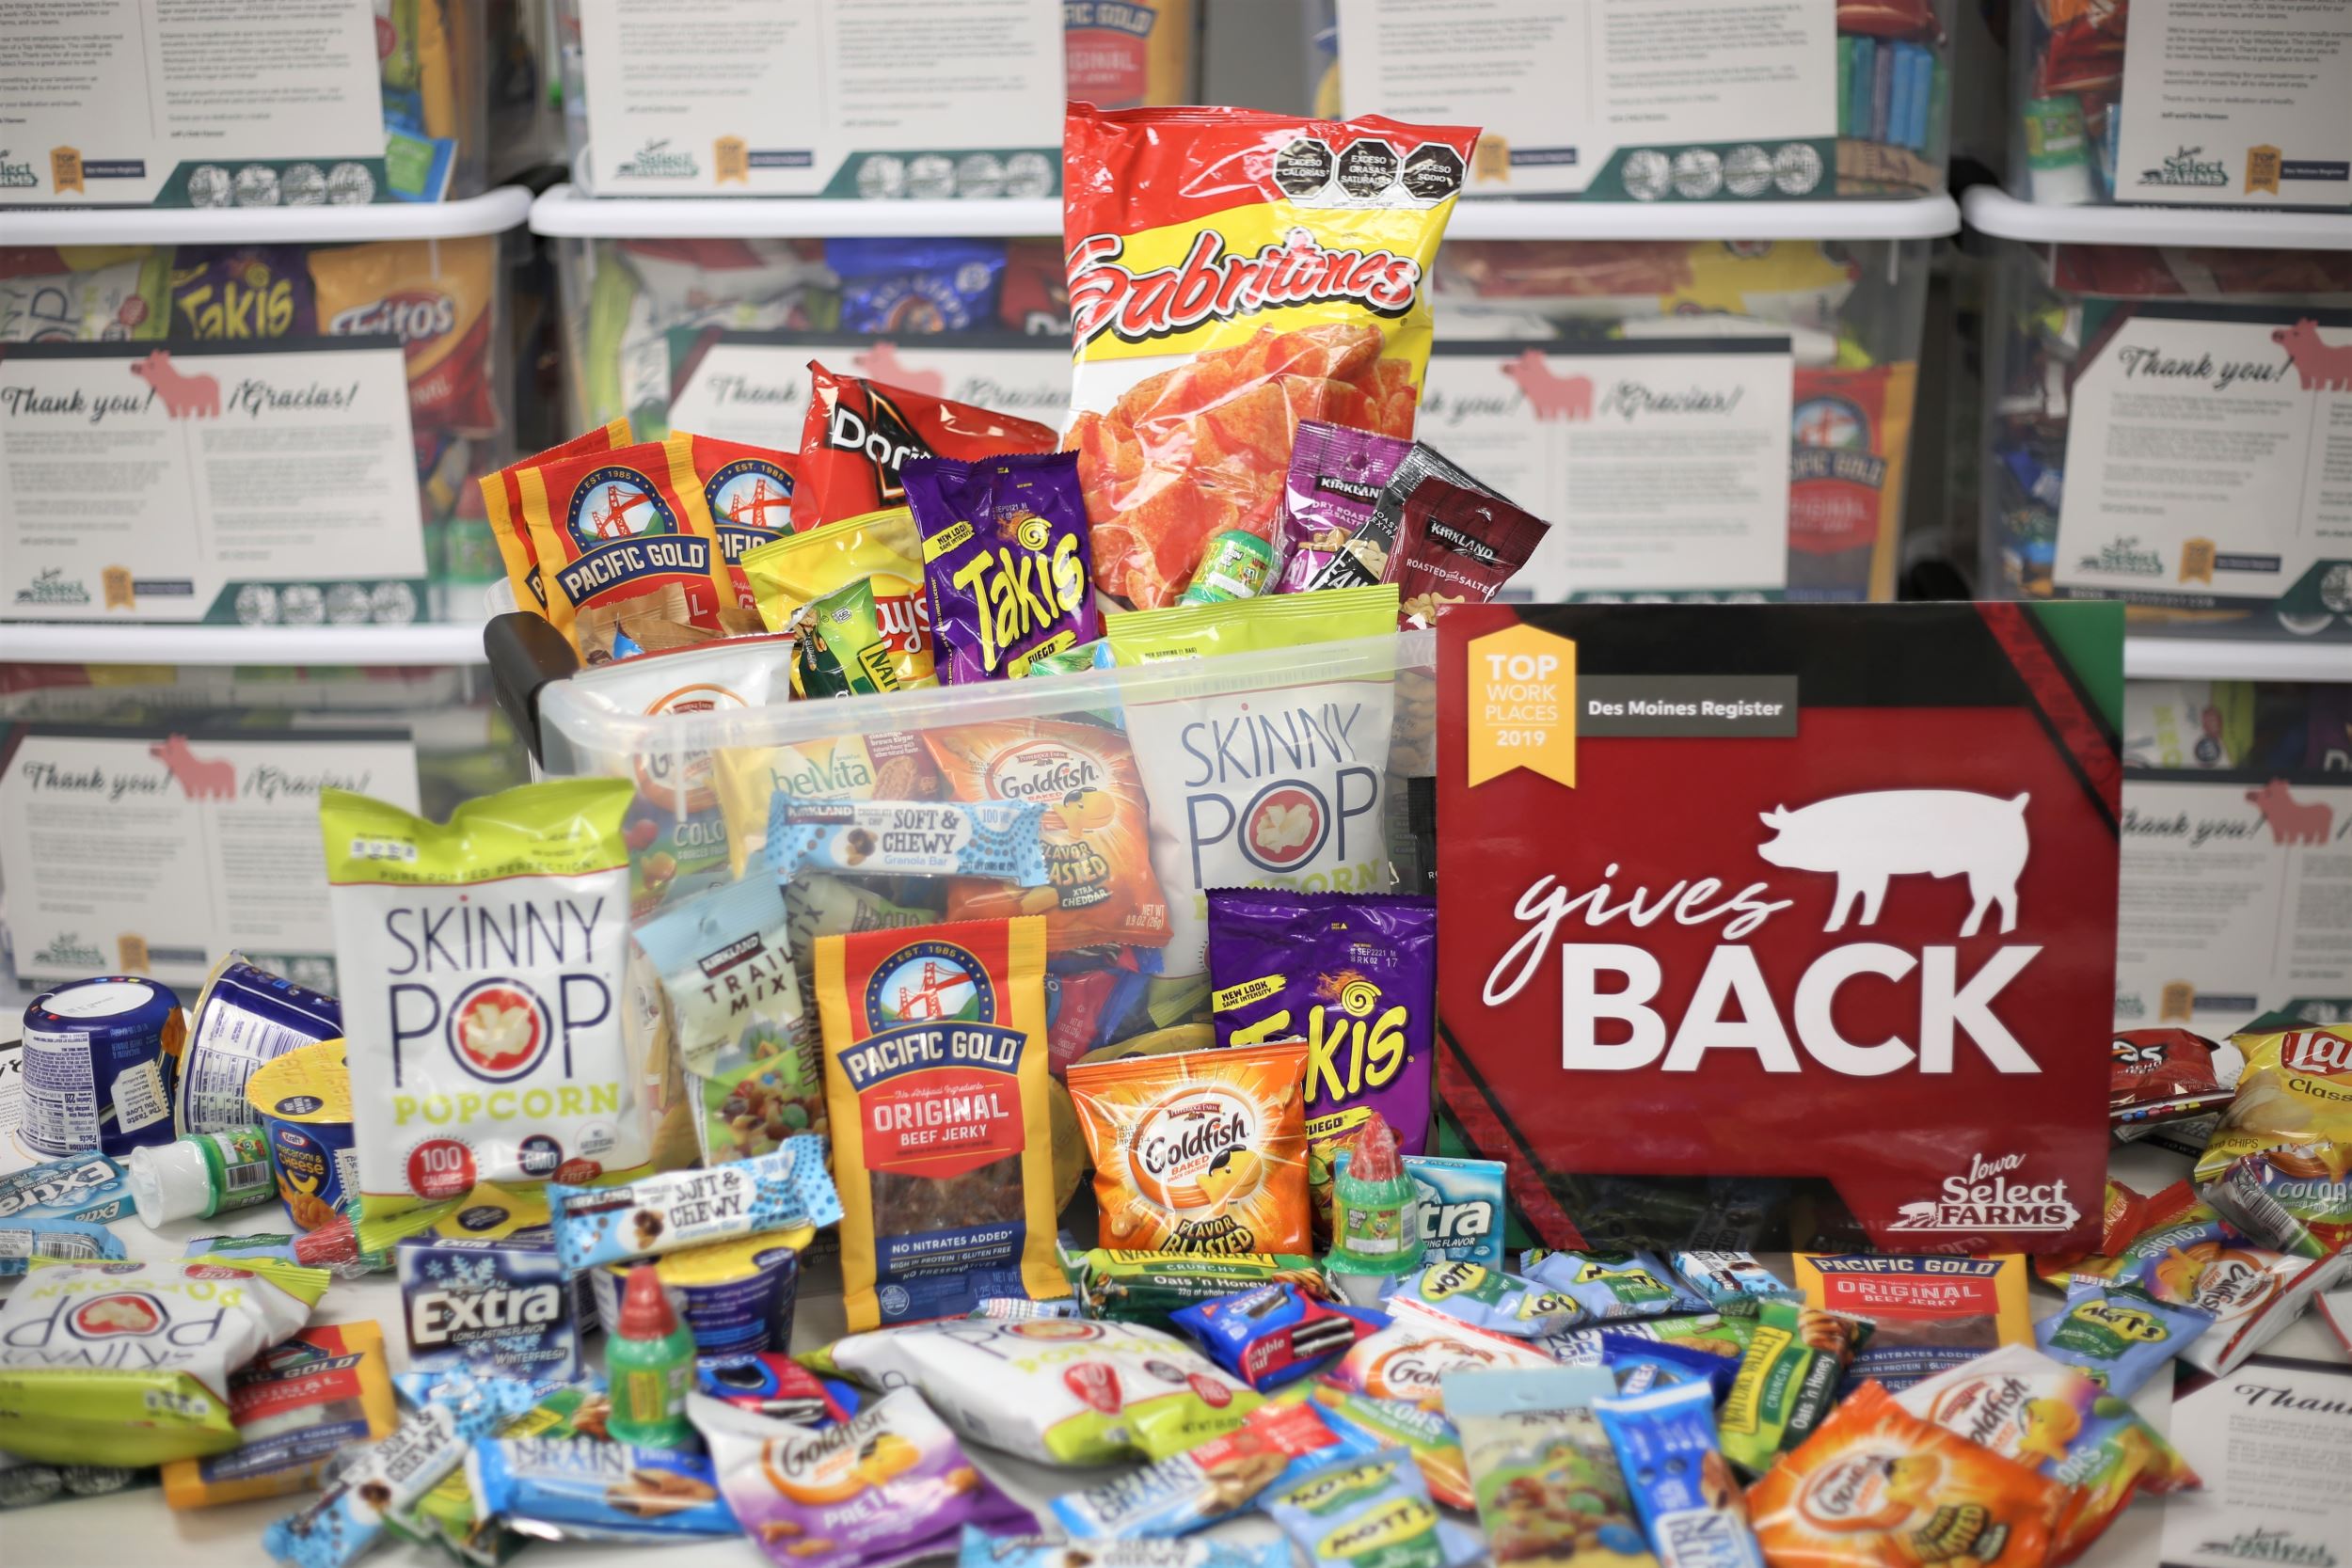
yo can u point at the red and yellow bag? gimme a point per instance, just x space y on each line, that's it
614 527
748 492
858 432
440 298
1232 273
503 500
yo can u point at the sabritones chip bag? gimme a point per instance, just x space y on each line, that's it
483 963
1232 273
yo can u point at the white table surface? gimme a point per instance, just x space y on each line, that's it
135 1531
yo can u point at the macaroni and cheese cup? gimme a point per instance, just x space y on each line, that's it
303 1099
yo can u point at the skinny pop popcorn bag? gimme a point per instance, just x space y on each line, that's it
483 963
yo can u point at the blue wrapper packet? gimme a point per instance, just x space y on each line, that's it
1732 1281
1691 1504
1332 1503
2119 1334
897 286
775 1386
1275 1333
69 1240
586 1489
983 1550
1639 1365
1612 1284
1001 840
781 1190
1278 1442
91 1187
1461 1207
1490 1299
1022 1306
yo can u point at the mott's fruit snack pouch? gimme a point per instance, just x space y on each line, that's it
748 492
858 432
611 529
1199 1151
502 503
1232 273
436 297
882 549
936 1088
130 1363
2280 1165
483 963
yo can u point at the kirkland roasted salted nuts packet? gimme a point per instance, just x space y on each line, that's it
482 962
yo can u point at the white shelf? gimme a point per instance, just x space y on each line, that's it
491 212
1993 211
563 212
151 643
2246 659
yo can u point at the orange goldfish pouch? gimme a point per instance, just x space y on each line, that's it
1096 829
611 529
1876 1487
1232 273
1199 1151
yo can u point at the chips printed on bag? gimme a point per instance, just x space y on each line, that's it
2119 1334
615 526
2161 1076
840 649
2280 1165
858 432
1409 1359
503 503
1004 561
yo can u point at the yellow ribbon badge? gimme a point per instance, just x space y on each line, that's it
730 159
2263 165
2197 559
115 583
65 170
1522 705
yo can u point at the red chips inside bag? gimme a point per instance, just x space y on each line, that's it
747 491
1232 273
858 432
2162 1075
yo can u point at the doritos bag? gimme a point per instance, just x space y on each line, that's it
858 432
503 500
612 528
1232 273
433 295
748 493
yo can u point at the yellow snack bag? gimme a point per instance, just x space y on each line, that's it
437 296
748 778
788 574
503 500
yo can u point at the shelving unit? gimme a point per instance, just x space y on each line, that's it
491 212
430 642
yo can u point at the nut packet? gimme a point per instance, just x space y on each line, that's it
1355 976
936 1079
1488 1298
1039 1551
2280 1165
1927 1314
589 1489
1688 1501
1369 1511
2054 1421
1096 830
2161 1076
785 1190
1151 1287
889 1486
1386 1423
1367 557
1409 1359
614 527
840 649
1199 1151
1336 474
1189 1491
295 1405
1456 546
1004 561
859 433
2119 1334
503 503
1002 839
1544 1475
1274 1334
787 575
1787 1382
726 961
1056 1390
1611 1284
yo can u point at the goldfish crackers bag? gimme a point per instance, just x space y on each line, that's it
611 529
936 1089
1232 273
482 963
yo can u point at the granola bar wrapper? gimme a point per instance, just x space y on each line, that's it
889 1486
1336 474
587 1489
1231 274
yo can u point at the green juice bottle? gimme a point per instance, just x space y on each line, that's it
1375 1214
649 1361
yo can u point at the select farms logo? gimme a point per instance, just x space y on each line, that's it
1986 1199
2188 166
66 947
15 176
659 160
2123 556
53 587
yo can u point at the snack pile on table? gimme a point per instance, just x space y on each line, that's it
623 1055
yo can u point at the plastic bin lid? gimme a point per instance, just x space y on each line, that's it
1993 211
491 212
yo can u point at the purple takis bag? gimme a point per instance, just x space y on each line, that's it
889 1486
1336 474
1005 561
1355 976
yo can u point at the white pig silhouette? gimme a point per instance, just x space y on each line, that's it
1866 838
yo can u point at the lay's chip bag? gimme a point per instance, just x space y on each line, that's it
615 527
1232 273
503 503
437 298
2280 1165
787 575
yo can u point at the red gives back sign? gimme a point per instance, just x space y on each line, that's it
1817 897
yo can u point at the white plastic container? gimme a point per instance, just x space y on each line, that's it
256 418
2167 394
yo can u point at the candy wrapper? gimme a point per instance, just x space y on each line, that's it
782 1191
1151 1287
1355 976
1275 1334
889 1486
1188 1491
1732 1282
1611 1284
1456 546
859 433
1410 1359
1490 1299
2161 1075
1004 561
2280 1166
1342 1515
587 1489
1001 840
770 1384
2119 1336
1688 1501
91 1188
1336 474
1039 1551
1548 1489
1061 1392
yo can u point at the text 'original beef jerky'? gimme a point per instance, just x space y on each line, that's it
1232 273
858 432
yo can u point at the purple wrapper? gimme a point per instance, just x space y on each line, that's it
242 293
1335 476
889 1486
1355 975
1005 561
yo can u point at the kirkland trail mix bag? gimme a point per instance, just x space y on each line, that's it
1232 273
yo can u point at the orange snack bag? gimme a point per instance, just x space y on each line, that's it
614 527
502 498
748 492
1876 1487
1097 829
1199 1151
1232 273
437 298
